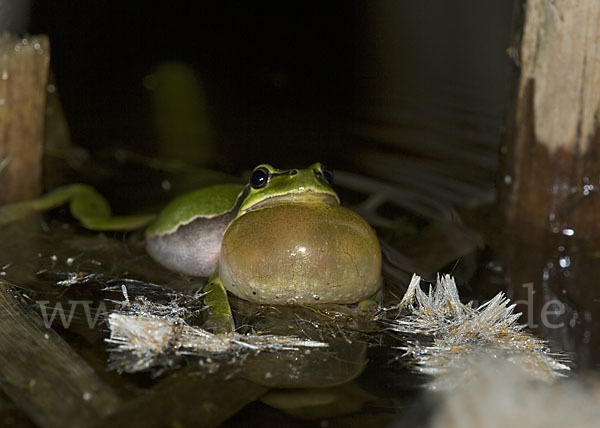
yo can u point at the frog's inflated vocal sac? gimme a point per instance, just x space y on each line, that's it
281 239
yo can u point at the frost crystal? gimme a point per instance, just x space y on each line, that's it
149 335
456 335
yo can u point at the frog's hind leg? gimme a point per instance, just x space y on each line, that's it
85 204
220 319
56 198
93 212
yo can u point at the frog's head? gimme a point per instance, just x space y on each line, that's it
270 186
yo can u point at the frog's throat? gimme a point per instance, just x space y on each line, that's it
298 197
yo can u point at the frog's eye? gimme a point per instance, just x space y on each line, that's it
327 174
259 178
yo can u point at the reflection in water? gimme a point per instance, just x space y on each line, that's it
500 396
556 287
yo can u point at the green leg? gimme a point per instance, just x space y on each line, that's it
85 204
92 210
220 319
60 196
369 307
122 223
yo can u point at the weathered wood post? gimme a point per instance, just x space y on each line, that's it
23 78
551 178
549 183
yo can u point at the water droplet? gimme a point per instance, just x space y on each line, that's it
165 185
291 301
545 275
507 179
51 88
564 262
316 296
568 232
5 74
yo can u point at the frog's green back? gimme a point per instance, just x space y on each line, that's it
206 202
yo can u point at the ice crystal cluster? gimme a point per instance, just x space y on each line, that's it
148 335
446 338
440 336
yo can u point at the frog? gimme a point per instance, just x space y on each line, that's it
283 238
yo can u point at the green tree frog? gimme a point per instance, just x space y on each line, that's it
282 239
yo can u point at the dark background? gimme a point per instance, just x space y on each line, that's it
364 85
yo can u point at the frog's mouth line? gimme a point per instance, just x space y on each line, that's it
296 197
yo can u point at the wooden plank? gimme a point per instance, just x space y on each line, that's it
42 374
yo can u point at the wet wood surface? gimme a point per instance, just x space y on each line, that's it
42 374
550 178
551 169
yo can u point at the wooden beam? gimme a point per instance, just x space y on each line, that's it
42 374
